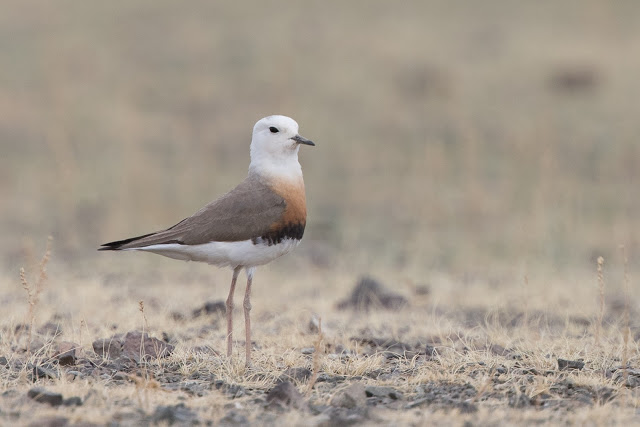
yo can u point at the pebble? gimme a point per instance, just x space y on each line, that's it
285 394
42 395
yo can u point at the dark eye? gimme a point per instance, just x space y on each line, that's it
274 130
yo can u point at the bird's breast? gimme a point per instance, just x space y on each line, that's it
294 218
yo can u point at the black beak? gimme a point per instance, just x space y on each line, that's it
302 140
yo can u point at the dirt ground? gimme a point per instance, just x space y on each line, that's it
346 352
473 164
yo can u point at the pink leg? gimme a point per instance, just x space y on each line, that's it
247 319
236 271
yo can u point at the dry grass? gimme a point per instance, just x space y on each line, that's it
479 160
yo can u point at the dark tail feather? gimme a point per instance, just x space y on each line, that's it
117 245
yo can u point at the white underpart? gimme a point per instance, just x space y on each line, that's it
223 254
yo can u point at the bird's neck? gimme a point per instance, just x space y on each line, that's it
284 170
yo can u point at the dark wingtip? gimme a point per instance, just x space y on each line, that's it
118 244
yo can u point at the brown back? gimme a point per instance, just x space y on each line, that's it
246 212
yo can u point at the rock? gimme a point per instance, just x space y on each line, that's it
338 416
21 328
50 422
120 376
391 348
176 316
321 420
295 374
42 395
567 365
632 377
369 293
377 391
4 362
150 348
308 350
174 414
66 353
72 375
422 290
72 401
43 372
234 418
498 350
35 346
231 390
134 345
574 78
520 401
111 347
50 329
285 394
430 351
211 307
352 397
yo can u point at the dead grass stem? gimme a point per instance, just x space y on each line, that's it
33 292
600 300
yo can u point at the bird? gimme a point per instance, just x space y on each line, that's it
261 219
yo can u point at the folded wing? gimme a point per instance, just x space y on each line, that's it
246 212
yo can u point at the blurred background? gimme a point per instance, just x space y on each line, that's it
485 139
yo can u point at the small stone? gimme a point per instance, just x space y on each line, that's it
4 362
21 328
72 375
295 374
520 401
66 353
175 414
134 345
344 416
111 348
72 401
352 397
308 350
42 395
50 422
376 391
422 290
176 316
151 347
234 418
43 372
285 394
210 307
232 390
35 345
51 329
120 376
567 365
369 293
632 377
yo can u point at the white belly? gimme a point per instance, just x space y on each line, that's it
223 254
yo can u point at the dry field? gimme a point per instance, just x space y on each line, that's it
474 160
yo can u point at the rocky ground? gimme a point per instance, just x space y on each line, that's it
370 377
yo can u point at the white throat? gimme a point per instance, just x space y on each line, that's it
283 167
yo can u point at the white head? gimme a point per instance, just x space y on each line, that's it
274 148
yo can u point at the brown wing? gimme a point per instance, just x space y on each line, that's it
245 212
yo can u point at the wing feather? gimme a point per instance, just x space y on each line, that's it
247 211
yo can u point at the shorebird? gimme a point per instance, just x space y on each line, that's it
260 220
